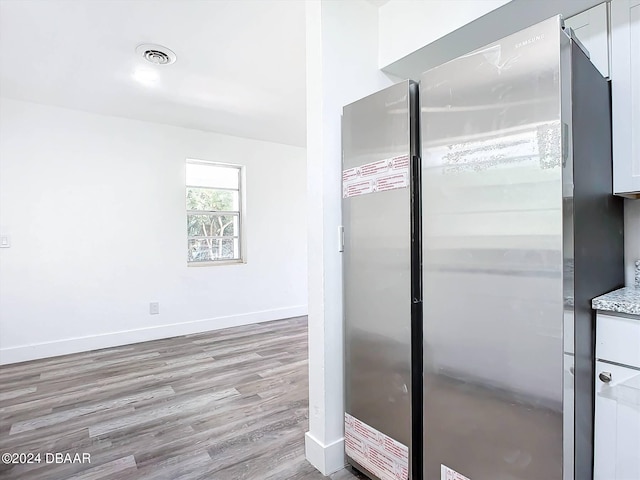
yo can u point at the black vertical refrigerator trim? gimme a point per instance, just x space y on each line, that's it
416 285
598 237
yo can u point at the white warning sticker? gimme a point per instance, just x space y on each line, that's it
447 473
358 188
391 182
379 176
377 452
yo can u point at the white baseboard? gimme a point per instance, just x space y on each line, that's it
115 339
327 459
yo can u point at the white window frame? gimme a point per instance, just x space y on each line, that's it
241 213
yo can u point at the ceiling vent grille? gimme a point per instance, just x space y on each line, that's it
156 54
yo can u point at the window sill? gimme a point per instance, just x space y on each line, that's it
216 263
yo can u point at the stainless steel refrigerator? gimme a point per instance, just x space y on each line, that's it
381 283
468 328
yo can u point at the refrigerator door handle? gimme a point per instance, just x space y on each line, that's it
416 226
565 144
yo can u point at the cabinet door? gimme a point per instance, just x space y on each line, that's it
625 82
617 423
592 29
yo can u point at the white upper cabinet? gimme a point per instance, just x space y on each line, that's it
592 29
625 84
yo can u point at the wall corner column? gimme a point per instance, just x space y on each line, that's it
342 66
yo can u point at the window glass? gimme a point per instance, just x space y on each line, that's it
214 214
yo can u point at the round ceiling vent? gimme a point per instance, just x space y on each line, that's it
156 54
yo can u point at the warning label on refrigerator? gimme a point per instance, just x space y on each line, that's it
378 453
447 473
379 176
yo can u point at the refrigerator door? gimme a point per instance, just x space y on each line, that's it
376 208
492 175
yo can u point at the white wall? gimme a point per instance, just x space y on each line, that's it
341 68
95 207
408 25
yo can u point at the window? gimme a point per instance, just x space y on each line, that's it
214 212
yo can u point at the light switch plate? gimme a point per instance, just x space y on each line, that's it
5 241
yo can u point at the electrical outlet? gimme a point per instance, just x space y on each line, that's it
154 308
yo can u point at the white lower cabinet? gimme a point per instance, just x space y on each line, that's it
617 422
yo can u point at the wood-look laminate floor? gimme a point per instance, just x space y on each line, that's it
225 405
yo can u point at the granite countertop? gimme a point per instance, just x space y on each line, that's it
624 300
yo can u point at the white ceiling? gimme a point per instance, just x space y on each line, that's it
240 67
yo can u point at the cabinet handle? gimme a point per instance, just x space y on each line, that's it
605 377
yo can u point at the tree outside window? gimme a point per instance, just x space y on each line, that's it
214 213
